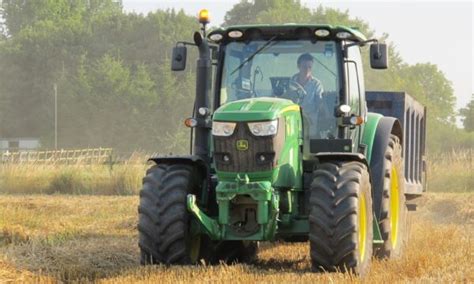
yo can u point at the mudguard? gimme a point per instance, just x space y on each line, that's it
385 127
342 156
194 160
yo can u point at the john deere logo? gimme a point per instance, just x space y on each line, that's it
242 145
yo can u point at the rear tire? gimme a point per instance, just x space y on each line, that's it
393 210
340 221
164 225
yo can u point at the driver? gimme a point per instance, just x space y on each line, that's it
313 88
304 77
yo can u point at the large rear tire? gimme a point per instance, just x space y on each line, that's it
393 210
164 224
340 221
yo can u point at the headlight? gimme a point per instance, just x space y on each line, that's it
223 128
264 128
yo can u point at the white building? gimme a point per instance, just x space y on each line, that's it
19 144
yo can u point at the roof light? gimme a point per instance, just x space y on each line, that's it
343 35
235 34
215 37
204 16
321 32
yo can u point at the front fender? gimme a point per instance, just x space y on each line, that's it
193 160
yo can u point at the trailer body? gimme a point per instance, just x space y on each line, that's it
412 116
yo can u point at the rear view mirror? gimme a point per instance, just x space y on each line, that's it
178 60
378 56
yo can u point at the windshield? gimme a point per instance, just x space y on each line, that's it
299 70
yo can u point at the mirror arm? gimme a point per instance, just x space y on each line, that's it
185 43
362 43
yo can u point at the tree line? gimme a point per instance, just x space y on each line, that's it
114 83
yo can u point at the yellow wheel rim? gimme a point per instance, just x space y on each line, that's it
394 207
362 226
195 244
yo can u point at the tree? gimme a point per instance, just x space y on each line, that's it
468 115
112 71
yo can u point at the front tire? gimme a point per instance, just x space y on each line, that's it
164 225
340 221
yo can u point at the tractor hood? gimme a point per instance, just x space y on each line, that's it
255 109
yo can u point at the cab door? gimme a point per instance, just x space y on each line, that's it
355 88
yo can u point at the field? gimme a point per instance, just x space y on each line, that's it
70 237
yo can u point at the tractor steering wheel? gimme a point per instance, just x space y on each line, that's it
295 92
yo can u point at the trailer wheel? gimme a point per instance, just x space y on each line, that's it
164 225
340 221
393 210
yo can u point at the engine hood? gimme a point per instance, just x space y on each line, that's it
255 109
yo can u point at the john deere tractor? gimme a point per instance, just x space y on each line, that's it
275 160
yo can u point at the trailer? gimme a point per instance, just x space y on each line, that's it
412 116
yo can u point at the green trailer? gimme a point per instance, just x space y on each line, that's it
278 158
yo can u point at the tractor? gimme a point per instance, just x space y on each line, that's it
274 158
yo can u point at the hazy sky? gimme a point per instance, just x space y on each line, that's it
440 32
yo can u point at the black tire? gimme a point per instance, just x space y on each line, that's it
339 192
164 224
394 232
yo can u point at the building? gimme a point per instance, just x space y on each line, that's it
19 144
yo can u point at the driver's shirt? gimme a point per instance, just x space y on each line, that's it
312 100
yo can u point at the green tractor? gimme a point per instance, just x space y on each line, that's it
285 149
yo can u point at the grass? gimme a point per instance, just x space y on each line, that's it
66 236
451 172
124 179
73 238
448 172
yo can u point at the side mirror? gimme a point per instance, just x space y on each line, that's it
178 60
378 56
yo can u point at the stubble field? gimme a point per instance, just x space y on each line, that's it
82 238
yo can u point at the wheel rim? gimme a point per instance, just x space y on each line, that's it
394 207
362 226
195 246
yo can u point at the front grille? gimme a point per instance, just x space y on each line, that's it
248 160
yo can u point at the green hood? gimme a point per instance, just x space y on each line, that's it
255 109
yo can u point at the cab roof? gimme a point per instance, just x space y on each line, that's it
286 31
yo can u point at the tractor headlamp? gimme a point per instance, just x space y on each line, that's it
223 128
264 128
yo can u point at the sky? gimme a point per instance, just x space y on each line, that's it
439 32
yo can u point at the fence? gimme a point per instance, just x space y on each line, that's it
86 156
